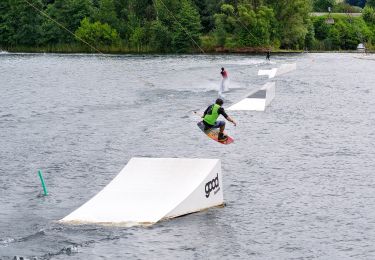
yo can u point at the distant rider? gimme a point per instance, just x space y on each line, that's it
210 116
224 82
268 55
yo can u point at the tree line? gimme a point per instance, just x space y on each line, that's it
178 26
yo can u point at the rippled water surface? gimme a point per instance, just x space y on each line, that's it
299 181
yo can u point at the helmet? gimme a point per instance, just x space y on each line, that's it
219 102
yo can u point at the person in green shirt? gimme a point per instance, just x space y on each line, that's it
211 115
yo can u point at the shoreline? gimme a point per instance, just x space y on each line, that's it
223 51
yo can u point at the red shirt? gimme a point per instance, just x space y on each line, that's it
224 74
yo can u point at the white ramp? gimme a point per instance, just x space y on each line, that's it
283 69
148 190
270 73
257 100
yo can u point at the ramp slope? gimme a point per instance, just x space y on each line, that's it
257 100
148 190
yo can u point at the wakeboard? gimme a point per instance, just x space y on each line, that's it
213 134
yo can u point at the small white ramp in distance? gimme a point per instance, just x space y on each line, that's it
257 100
148 190
270 73
283 69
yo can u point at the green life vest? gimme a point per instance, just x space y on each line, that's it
212 115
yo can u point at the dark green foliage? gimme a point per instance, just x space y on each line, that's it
322 5
20 24
370 3
68 13
207 10
5 30
97 34
187 28
345 34
106 13
293 19
183 25
160 37
369 15
310 36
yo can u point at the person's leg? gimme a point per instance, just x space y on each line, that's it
226 85
221 89
221 136
221 126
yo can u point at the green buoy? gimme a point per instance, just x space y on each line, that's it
43 184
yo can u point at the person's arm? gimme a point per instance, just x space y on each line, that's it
224 114
231 120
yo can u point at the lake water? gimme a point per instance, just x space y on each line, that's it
299 181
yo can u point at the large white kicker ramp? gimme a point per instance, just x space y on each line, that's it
257 100
148 190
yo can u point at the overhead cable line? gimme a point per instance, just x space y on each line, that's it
62 26
183 28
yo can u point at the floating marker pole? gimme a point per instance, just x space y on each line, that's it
43 184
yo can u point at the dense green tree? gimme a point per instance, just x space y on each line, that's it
207 10
321 28
255 26
160 38
225 24
5 30
345 34
349 37
138 38
187 28
369 15
68 13
97 34
106 13
335 38
144 9
293 18
310 36
22 23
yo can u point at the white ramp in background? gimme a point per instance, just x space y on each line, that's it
257 100
148 190
270 73
283 69
286 68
